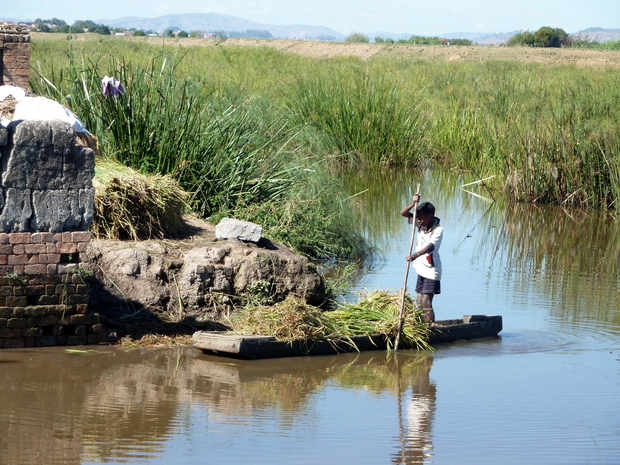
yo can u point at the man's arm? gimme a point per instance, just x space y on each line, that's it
406 212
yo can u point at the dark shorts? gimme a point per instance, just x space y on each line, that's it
427 286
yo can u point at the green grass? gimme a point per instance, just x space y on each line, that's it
220 115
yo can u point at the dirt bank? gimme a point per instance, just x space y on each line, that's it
194 277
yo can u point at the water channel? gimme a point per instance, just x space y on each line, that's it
545 392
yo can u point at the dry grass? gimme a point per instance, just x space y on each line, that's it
133 206
375 313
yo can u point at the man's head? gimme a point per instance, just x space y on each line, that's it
425 214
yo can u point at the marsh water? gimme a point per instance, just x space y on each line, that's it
545 392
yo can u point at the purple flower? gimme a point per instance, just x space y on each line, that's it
112 86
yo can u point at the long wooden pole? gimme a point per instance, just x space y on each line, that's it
401 316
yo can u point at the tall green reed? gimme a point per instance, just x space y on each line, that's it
363 115
233 153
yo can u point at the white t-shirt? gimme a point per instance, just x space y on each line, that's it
429 265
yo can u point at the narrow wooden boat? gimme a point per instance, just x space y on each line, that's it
258 347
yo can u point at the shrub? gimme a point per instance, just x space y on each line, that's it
357 37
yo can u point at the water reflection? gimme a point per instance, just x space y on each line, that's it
131 406
566 261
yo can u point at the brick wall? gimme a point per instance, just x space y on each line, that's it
44 291
46 206
15 55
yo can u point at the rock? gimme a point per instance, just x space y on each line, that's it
46 179
196 277
242 230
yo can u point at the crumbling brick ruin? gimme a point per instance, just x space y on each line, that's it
14 56
46 206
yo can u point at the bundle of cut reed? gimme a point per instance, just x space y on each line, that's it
375 313
130 205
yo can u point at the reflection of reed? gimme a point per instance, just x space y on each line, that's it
570 256
385 192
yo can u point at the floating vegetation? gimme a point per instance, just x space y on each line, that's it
375 313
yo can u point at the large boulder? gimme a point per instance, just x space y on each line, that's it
197 276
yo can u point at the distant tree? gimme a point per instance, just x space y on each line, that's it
194 34
103 30
182 34
65 29
358 37
551 37
379 40
169 33
79 26
460 42
56 22
139 33
523 38
42 27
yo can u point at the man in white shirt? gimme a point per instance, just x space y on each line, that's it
426 258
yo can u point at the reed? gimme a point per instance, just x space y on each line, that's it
232 153
546 132
375 313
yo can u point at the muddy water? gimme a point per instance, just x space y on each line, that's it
546 391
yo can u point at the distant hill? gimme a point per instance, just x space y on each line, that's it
599 34
213 22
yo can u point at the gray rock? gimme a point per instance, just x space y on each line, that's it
17 210
46 179
242 230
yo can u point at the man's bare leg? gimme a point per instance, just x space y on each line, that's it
425 302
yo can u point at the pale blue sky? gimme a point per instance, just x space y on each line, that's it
423 17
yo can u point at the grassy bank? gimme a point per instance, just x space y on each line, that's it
547 132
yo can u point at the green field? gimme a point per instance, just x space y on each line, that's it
263 134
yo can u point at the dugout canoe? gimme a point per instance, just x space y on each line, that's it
259 347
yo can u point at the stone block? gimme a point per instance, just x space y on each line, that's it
242 230
16 210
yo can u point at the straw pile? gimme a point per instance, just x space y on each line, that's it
133 206
375 313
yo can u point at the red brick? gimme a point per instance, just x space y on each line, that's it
6 249
4 238
19 249
17 323
52 268
35 269
35 248
66 237
4 259
81 236
19 238
16 301
18 259
49 258
67 247
34 290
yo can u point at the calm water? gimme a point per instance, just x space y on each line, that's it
546 392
